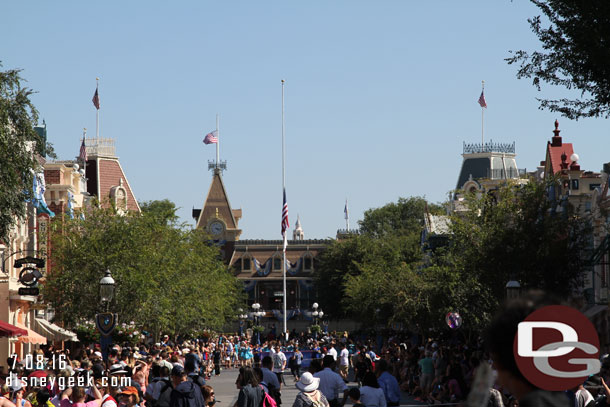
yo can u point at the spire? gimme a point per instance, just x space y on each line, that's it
297 233
556 140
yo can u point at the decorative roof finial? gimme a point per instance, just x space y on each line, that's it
556 141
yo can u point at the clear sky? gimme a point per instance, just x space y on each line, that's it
379 94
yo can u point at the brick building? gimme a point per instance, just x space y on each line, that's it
258 262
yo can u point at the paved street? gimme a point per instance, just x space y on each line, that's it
226 392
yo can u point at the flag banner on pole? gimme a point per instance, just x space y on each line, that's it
211 138
482 101
285 224
83 151
96 100
346 211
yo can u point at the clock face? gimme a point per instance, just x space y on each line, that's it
216 228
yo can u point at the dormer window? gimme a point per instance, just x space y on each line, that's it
307 263
246 264
118 195
277 263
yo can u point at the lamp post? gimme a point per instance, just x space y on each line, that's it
106 321
107 286
320 316
513 290
258 313
242 318
315 314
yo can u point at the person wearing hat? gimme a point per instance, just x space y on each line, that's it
309 396
117 370
129 397
185 392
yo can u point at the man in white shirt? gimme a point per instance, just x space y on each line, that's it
332 351
343 361
279 364
331 383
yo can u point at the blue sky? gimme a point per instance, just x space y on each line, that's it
380 96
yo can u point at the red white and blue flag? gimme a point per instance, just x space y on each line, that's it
285 224
83 152
482 101
211 138
96 99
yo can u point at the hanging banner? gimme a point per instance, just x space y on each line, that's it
43 229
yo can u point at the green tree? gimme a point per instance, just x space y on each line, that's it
576 55
353 273
168 279
17 138
402 217
164 210
517 233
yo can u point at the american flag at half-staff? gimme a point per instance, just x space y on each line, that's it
96 99
211 138
285 224
482 101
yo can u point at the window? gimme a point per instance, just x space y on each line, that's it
246 264
277 263
574 184
307 263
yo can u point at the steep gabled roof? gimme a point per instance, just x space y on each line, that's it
554 150
110 174
217 202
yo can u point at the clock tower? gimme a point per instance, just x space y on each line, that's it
217 217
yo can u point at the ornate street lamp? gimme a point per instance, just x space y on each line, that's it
315 315
106 321
107 286
258 313
242 318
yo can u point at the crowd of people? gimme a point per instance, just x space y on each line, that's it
329 372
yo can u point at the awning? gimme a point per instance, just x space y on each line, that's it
7 329
52 332
31 337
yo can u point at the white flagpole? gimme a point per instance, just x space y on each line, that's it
97 111
217 142
482 114
286 231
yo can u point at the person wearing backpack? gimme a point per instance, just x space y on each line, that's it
250 393
192 375
185 393
309 396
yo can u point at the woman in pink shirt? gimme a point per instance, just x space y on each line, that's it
75 397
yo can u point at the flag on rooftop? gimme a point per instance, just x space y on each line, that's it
346 210
482 101
211 138
83 151
96 99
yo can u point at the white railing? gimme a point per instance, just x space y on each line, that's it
100 147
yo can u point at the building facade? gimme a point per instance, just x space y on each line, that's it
258 262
